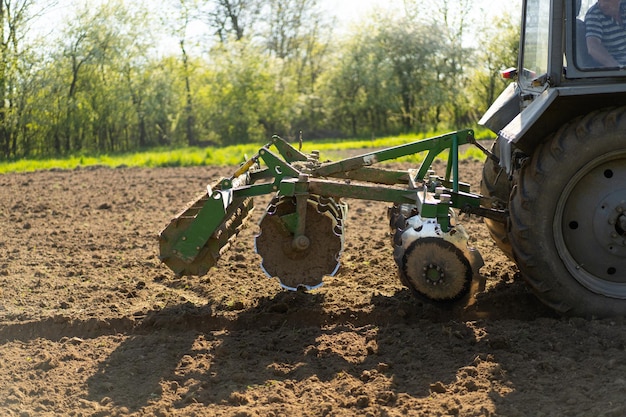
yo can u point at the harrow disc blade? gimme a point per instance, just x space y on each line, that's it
237 214
294 267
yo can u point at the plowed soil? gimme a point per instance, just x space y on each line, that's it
92 324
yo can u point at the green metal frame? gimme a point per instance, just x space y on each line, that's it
348 178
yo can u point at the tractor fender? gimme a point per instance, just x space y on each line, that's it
515 130
506 118
545 114
503 110
529 117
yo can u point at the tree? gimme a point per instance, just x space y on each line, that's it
232 17
343 85
455 20
241 99
298 34
16 18
100 66
184 18
500 47
386 78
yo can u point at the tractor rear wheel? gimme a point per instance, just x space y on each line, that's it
568 217
496 185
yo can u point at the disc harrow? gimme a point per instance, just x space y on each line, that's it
302 230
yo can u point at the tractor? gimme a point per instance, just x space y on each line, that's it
553 189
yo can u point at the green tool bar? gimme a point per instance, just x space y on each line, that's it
375 175
434 146
330 188
358 191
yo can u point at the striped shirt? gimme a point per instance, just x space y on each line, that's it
610 32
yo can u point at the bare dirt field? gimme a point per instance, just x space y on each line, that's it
92 324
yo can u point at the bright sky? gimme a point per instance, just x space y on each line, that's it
352 10
349 11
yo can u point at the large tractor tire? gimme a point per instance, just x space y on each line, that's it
495 184
568 217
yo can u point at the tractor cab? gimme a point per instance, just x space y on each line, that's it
556 77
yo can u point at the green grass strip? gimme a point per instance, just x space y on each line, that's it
226 156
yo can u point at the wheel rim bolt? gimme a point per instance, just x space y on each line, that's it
430 271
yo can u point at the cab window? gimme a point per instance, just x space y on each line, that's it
536 41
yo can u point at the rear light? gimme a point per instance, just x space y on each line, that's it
509 73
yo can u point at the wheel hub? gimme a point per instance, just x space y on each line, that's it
620 226
434 274
592 235
609 223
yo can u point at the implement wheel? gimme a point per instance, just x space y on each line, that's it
568 217
436 269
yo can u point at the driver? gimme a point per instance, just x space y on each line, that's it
606 33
